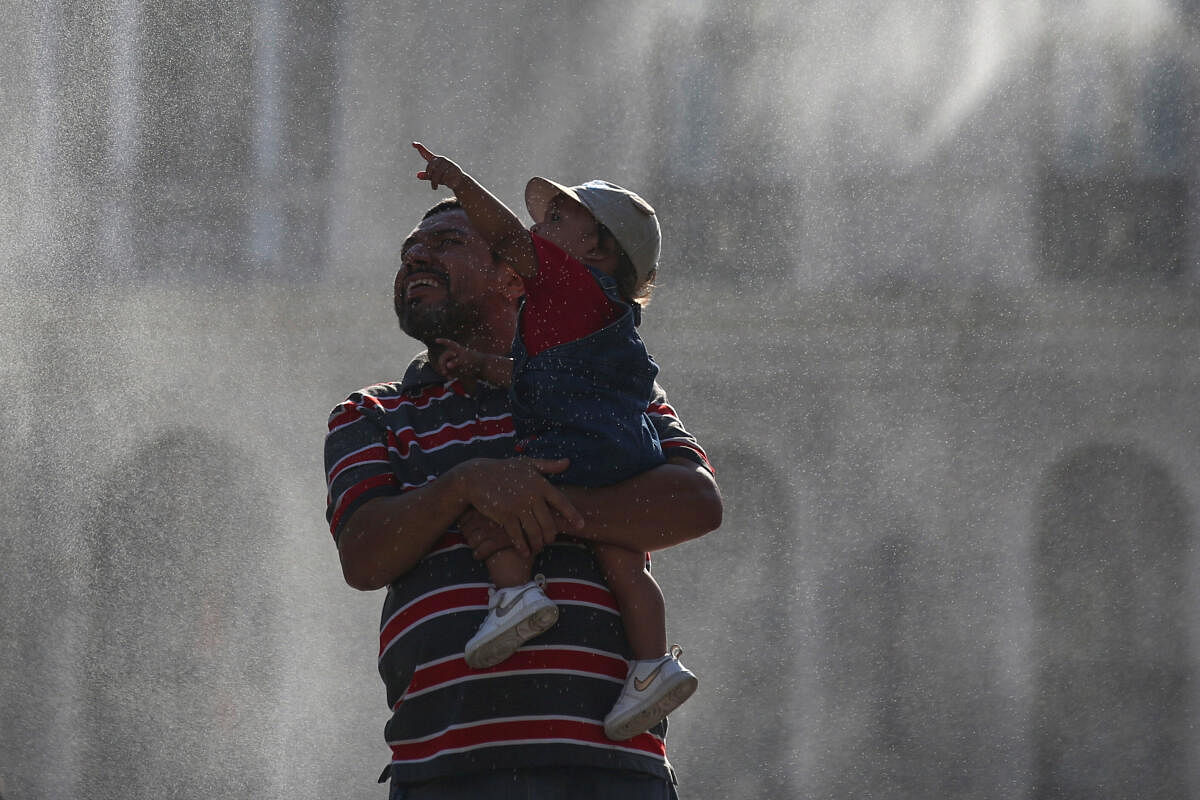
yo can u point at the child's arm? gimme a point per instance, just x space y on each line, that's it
505 235
457 361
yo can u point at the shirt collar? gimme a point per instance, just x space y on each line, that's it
420 373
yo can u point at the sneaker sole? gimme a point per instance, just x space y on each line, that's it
647 718
499 649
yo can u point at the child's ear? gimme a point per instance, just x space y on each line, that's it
511 285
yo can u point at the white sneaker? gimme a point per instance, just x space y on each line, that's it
654 688
515 615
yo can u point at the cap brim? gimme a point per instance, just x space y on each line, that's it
538 194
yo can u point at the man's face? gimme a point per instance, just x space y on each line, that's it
445 279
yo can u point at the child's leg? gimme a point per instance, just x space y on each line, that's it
657 683
643 611
507 568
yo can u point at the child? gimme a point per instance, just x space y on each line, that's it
580 381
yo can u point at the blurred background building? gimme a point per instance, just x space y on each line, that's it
929 296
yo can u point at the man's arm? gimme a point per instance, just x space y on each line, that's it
386 536
659 508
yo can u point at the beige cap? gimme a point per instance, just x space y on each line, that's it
630 218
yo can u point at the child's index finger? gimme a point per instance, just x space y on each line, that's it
424 151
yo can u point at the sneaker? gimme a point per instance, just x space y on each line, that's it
655 687
515 615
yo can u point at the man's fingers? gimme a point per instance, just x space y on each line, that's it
545 522
550 466
484 545
533 533
515 494
565 508
484 537
516 534
553 497
486 549
542 522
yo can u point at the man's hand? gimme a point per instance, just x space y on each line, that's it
484 537
439 170
514 494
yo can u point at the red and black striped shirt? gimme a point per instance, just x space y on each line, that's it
544 706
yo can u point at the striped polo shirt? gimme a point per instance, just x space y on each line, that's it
545 705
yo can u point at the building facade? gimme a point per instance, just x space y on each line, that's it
929 298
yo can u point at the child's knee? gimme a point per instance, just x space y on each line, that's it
623 566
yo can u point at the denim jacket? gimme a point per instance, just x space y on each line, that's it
586 400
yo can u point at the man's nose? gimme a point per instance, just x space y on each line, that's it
418 255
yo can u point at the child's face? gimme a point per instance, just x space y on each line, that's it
572 227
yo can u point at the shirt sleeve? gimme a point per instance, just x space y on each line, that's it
357 468
675 439
563 301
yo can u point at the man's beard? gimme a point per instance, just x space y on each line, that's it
449 319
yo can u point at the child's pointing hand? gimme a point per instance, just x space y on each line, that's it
439 171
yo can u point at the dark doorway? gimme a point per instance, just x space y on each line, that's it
1111 711
177 662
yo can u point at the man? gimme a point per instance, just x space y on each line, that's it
422 486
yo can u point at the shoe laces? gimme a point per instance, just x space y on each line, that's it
494 593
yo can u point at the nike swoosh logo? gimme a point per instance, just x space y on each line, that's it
642 685
502 610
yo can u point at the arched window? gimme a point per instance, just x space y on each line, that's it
733 596
1111 716
190 146
707 123
177 664
872 611
191 175
1114 185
